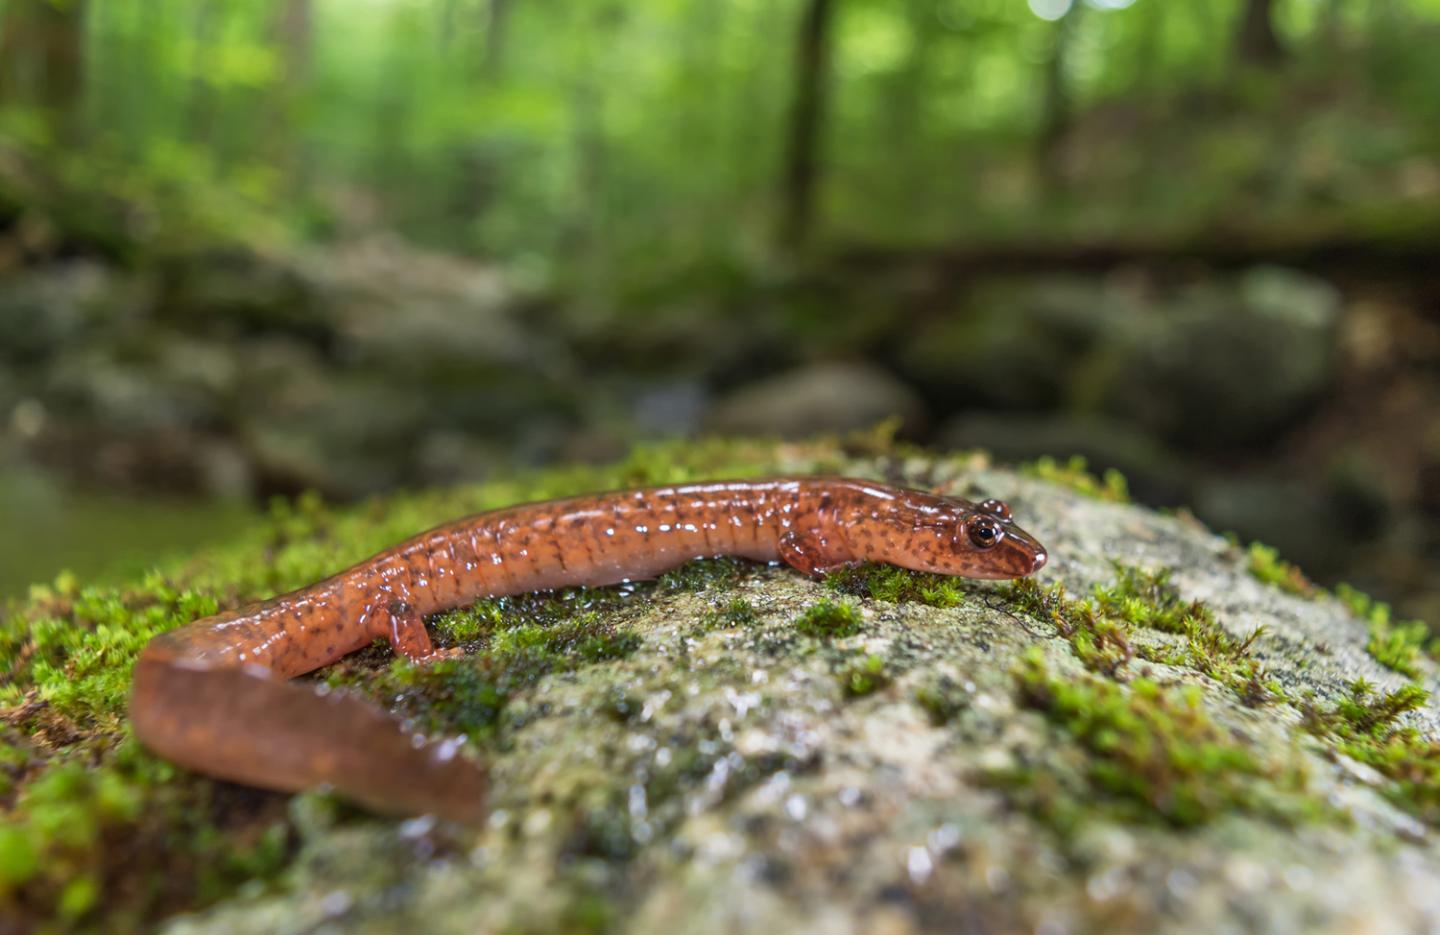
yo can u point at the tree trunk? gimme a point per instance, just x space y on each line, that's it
499 19
802 158
1257 44
294 35
1056 108
294 31
42 60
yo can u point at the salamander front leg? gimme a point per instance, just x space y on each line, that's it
813 553
407 632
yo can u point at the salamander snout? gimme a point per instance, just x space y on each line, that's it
986 543
1015 555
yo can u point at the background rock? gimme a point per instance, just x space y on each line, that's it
822 397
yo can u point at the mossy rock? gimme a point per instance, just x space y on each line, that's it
1149 736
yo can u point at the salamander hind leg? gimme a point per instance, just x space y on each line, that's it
813 553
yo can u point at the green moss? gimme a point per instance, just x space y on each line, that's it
1074 473
1105 630
896 585
467 624
942 700
1100 643
863 675
1153 753
470 694
829 619
1396 645
54 861
590 910
19 858
1367 727
737 612
75 647
702 574
1148 599
621 706
1265 564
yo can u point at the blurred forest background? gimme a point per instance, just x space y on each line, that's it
250 248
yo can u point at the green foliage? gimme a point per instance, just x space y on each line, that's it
1154 753
827 619
1075 474
77 646
634 149
469 694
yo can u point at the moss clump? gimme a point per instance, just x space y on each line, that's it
74 647
1148 599
736 612
863 675
1104 630
1101 643
942 700
1154 753
827 619
1396 645
896 585
1265 564
1366 727
468 624
53 858
702 574
1074 473
470 694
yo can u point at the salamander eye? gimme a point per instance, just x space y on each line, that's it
995 508
984 532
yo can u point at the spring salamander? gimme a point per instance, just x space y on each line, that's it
214 695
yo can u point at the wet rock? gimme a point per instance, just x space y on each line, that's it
456 458
45 310
164 388
1299 515
1155 473
307 426
1223 363
824 397
405 311
239 293
1012 343
744 788
1227 365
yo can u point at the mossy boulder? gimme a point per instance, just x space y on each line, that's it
1165 730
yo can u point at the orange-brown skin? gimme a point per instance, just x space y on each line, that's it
213 695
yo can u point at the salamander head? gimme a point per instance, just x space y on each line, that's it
976 540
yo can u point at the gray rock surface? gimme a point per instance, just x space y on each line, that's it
741 789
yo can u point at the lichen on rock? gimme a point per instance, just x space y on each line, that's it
1149 736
